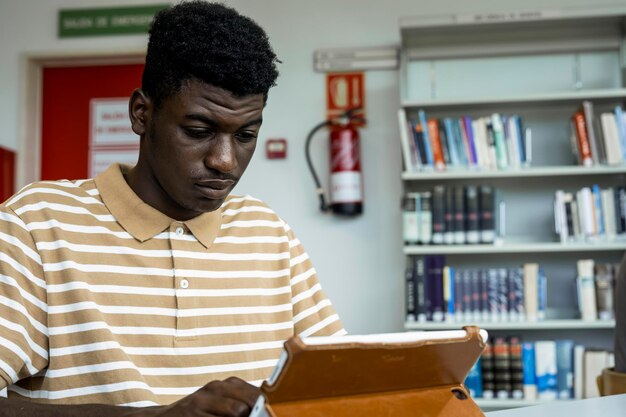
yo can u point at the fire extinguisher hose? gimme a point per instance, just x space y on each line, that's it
320 190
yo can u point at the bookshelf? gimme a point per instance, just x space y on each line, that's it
540 65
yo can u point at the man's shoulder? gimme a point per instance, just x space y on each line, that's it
77 192
246 206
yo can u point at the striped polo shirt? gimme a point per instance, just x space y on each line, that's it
104 299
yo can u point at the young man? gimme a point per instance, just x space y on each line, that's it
129 293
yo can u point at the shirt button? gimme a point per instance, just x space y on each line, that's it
184 283
180 231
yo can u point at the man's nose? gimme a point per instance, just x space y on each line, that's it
221 156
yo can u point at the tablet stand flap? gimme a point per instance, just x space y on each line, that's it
330 373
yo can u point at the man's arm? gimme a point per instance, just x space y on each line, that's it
230 398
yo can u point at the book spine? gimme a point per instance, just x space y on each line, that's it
565 368
420 289
498 135
484 295
439 213
475 295
604 291
459 215
517 368
469 134
530 381
487 368
449 293
586 290
503 295
593 141
427 148
410 221
435 144
448 236
492 294
472 213
487 215
467 295
455 159
502 368
443 140
597 201
542 295
584 148
410 292
473 382
459 315
531 276
418 139
426 218
545 369
620 221
621 129
579 371
409 152
517 281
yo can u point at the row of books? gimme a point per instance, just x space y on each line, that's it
590 213
491 142
451 215
442 293
598 140
546 370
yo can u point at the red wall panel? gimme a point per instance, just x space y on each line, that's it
65 113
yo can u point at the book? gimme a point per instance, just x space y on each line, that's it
565 368
410 220
410 292
530 379
586 291
409 153
488 371
459 314
579 370
448 293
448 235
472 228
493 298
595 144
466 127
604 291
502 368
438 216
542 295
594 361
620 120
426 218
517 368
434 288
498 134
487 215
531 280
459 215
428 151
503 294
474 380
435 144
584 147
612 140
516 294
420 289
545 369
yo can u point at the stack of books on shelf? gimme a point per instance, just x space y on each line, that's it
510 368
451 215
436 292
492 142
590 214
598 140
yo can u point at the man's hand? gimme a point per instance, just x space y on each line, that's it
229 398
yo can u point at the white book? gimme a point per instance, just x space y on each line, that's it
579 372
586 208
611 139
531 302
594 362
546 369
513 142
408 156
608 212
560 216
586 290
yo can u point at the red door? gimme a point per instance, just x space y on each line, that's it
66 110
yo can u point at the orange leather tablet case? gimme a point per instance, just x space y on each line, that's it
423 378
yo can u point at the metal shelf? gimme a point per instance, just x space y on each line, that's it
516 247
503 404
532 172
538 325
574 97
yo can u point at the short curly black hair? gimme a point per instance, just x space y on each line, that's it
210 42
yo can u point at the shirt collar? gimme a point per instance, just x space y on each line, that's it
143 221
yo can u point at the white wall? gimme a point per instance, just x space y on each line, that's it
360 260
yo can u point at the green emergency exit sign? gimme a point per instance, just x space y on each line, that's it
106 21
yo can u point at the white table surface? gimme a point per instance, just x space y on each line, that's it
612 406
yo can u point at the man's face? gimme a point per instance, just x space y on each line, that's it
197 146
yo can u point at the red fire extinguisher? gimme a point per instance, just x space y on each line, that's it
346 185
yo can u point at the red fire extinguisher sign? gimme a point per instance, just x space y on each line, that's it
345 91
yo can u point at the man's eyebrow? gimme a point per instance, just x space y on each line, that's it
211 122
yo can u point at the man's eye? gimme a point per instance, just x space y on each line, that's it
198 132
246 136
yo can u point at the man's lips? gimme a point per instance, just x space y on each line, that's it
216 184
215 189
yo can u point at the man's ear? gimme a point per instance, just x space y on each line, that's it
140 110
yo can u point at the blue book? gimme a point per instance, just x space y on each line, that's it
542 295
429 151
597 201
469 130
519 136
528 364
621 129
451 293
565 368
460 143
474 381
